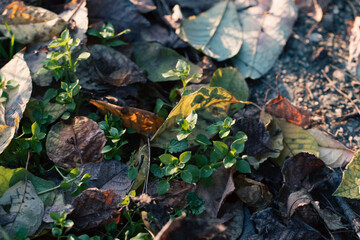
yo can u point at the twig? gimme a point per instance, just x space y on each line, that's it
23 196
341 92
145 189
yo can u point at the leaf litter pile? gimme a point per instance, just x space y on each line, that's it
177 119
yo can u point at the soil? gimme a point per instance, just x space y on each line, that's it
312 50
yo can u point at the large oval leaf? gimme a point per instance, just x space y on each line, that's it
156 60
233 81
210 103
266 27
30 24
11 112
216 32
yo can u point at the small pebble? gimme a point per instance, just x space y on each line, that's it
315 37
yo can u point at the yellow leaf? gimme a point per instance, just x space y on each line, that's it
350 183
296 140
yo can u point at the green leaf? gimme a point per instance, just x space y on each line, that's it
84 56
157 170
185 157
65 185
350 183
55 216
202 140
115 43
243 166
177 146
196 204
210 104
206 171
229 161
195 172
106 149
156 60
220 148
162 187
170 170
35 129
167 158
85 178
233 81
186 176
238 146
216 32
132 173
12 84
75 172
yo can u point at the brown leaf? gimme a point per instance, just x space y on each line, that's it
215 194
71 144
144 6
254 194
184 228
94 208
282 108
297 168
107 64
258 138
144 122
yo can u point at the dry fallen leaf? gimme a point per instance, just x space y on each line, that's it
144 122
266 28
255 195
11 112
74 143
281 107
107 64
94 208
215 194
30 24
332 152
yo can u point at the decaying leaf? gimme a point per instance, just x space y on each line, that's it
269 226
254 194
26 212
233 81
276 141
116 177
156 60
281 107
332 152
94 208
266 27
210 103
296 140
144 6
350 183
354 49
30 24
11 111
144 122
122 14
196 6
216 32
297 199
313 8
185 228
298 167
215 194
71 144
107 64
258 138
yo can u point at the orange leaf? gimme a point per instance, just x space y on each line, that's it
144 122
282 108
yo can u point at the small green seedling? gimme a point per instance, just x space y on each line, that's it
60 224
3 52
69 181
6 85
108 36
182 71
189 167
112 127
